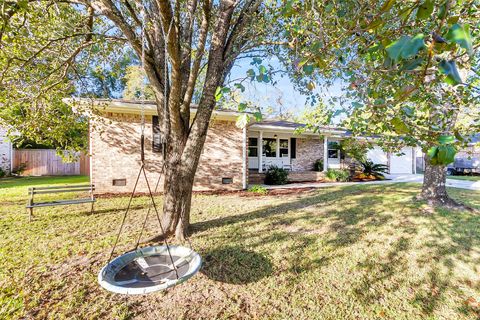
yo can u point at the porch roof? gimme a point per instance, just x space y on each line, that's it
289 126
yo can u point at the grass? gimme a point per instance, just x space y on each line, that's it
467 178
349 252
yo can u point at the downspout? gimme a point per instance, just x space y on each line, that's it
244 159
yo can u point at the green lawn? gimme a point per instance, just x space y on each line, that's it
350 252
468 178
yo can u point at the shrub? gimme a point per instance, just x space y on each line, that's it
276 175
258 189
338 175
318 165
20 169
2 173
374 169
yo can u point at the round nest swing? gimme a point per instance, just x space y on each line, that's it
149 269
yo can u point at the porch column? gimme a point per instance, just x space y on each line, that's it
244 159
325 153
260 152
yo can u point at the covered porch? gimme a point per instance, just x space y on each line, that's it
286 145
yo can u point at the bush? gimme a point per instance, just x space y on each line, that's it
338 175
258 189
276 175
2 173
374 169
20 169
318 165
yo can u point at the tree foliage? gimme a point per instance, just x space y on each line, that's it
409 69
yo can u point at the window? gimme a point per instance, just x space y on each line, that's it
156 135
252 147
333 150
283 148
270 147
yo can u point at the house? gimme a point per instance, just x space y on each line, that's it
232 157
6 151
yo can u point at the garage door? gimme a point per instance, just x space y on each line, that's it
403 163
376 155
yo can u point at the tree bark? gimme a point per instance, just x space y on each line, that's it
434 189
434 180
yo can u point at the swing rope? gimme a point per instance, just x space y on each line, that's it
142 169
164 145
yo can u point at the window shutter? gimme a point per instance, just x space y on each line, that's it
293 148
156 135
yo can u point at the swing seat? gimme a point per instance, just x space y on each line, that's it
149 269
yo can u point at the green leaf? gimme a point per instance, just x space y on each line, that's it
461 35
240 86
357 105
258 116
405 47
432 152
251 73
446 139
242 120
399 126
308 69
242 106
218 94
412 64
425 10
449 68
414 45
256 61
446 154
387 5
262 69
311 85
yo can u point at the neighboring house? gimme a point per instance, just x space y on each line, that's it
6 151
232 157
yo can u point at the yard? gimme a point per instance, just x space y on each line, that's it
350 252
467 178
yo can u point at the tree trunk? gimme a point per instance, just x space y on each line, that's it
177 198
434 189
434 180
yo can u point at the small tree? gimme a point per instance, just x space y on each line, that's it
355 148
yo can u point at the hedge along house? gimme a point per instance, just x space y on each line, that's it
232 157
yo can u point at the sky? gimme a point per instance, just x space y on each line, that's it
282 94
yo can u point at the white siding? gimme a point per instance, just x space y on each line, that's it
5 151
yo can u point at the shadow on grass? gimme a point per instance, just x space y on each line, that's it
452 235
236 265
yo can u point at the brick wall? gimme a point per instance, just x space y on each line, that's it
115 149
308 151
5 154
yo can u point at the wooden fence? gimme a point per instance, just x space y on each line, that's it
46 162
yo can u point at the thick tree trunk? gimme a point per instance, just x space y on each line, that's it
434 189
177 200
434 180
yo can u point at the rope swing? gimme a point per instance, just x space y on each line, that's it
155 268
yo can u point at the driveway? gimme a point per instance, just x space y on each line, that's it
393 178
